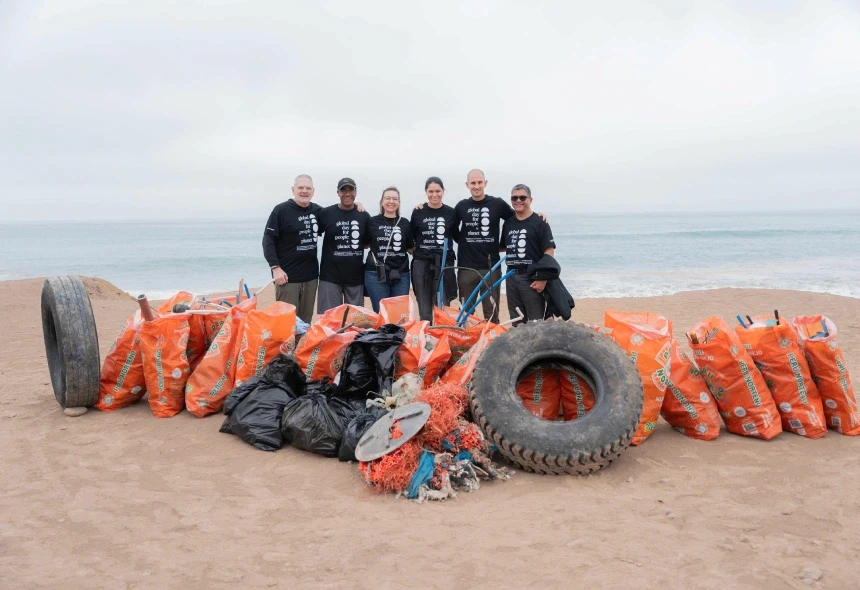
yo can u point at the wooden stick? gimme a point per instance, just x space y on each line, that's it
264 287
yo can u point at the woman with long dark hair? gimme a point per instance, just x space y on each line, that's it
431 224
386 270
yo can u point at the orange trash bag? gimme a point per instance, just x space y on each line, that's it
459 339
688 406
344 315
122 383
539 389
320 351
163 342
196 339
213 379
423 352
745 403
827 364
180 297
396 310
646 337
460 372
577 396
777 354
265 334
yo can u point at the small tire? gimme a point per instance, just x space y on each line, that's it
577 447
71 341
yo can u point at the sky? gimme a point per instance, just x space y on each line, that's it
173 110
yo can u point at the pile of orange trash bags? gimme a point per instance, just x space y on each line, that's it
441 351
759 379
193 360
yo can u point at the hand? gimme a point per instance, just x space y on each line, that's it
419 206
360 207
538 286
543 216
280 276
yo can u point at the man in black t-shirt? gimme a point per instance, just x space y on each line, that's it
526 238
478 241
342 263
290 248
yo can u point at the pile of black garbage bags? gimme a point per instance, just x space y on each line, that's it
281 407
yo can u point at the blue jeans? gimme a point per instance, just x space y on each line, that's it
378 291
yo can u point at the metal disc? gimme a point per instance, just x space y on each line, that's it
377 441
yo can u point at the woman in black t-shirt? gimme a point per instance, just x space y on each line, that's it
430 226
386 270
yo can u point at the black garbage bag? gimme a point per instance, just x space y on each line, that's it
368 363
355 430
315 423
323 386
254 409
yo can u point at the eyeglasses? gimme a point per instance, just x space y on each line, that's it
519 197
391 198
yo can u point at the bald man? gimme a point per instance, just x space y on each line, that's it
479 219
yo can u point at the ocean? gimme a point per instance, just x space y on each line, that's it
619 255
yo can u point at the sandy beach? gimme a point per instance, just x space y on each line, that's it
124 500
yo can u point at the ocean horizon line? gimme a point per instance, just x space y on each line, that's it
596 214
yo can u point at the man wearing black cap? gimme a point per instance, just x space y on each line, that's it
290 248
344 228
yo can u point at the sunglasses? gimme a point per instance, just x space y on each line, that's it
518 197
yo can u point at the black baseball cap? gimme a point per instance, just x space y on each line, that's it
345 182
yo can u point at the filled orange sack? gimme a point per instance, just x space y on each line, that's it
459 339
122 383
163 342
540 390
740 391
196 339
180 297
827 365
577 397
423 353
213 379
265 334
320 351
776 352
396 310
361 318
646 337
688 406
460 372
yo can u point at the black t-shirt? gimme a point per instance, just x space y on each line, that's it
478 236
379 229
430 227
345 235
290 240
525 241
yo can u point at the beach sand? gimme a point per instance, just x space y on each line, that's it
124 500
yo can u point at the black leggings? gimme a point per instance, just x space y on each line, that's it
426 287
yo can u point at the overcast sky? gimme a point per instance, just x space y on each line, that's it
151 109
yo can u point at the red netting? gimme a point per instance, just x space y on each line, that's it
393 472
445 401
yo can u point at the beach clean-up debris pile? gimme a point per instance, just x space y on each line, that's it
761 378
320 392
328 389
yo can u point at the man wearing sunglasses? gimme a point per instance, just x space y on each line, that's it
526 239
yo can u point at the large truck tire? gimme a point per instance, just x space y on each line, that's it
576 447
71 341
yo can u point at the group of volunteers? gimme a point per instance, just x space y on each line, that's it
344 274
